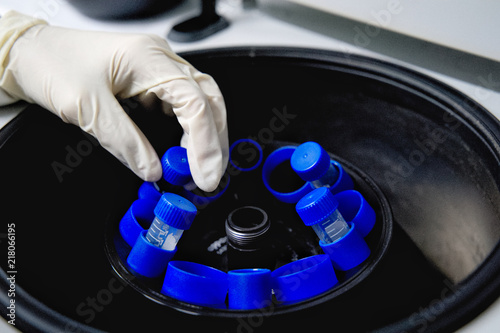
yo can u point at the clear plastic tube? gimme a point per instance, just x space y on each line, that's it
163 235
328 179
332 228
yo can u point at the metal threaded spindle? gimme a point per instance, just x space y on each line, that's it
246 226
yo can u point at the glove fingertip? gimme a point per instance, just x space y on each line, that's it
208 184
153 173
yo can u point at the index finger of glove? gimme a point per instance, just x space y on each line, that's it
194 113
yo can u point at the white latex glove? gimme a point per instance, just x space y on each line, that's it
79 74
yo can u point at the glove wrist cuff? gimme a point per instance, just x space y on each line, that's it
12 26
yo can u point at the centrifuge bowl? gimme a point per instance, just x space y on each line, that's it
432 152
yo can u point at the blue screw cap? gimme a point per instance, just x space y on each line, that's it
249 288
148 260
354 208
310 161
278 156
139 214
315 206
348 251
175 166
303 279
195 283
176 211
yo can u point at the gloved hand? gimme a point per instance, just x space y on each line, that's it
78 75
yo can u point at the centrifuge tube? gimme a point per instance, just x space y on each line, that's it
312 163
318 209
173 215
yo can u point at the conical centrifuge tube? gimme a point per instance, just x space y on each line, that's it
173 215
318 209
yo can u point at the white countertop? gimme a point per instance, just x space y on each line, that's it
460 24
284 23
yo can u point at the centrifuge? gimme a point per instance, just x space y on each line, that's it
403 97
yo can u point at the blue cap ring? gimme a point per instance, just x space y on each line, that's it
148 260
348 251
274 159
237 144
303 279
354 208
249 288
195 283
139 214
148 191
344 181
